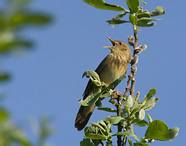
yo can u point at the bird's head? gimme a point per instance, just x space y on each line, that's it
118 46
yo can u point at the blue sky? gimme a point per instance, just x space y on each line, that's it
47 80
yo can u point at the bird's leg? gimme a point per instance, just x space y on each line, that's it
107 84
118 93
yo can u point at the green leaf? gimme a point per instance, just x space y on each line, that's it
102 123
91 73
137 29
149 118
135 106
4 77
14 45
172 132
134 112
158 130
141 115
133 5
86 142
94 77
158 11
141 123
3 115
119 16
108 94
24 18
130 101
109 142
91 98
126 133
96 136
107 109
126 110
133 19
90 129
99 126
96 82
45 129
100 4
113 102
151 93
130 142
144 17
143 2
150 103
141 144
96 142
98 103
144 22
115 22
17 135
116 82
143 14
114 119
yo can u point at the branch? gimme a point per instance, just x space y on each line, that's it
119 125
131 77
102 143
134 61
133 64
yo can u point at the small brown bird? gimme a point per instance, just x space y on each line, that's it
111 68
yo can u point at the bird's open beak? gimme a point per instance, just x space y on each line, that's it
113 43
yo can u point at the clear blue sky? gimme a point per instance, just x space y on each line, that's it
47 80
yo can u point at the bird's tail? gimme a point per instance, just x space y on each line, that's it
83 116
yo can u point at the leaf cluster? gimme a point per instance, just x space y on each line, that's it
137 16
11 134
133 113
16 16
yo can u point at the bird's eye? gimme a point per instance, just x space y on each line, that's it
120 43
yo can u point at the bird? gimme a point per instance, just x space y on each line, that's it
111 68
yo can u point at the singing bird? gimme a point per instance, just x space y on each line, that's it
111 68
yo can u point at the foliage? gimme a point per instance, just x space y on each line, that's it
15 17
10 134
137 16
133 113
42 130
134 110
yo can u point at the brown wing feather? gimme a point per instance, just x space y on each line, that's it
90 86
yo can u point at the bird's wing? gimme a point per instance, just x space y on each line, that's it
90 86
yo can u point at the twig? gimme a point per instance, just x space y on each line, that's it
133 64
131 80
119 125
124 140
131 77
137 97
102 143
126 90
